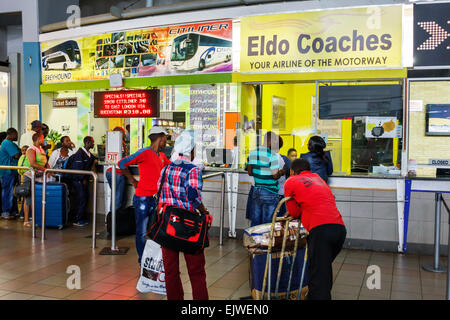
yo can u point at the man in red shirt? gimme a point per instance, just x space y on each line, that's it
314 203
151 161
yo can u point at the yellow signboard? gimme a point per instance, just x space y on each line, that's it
341 39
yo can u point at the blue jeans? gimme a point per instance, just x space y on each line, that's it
9 202
143 210
283 209
264 204
120 189
249 209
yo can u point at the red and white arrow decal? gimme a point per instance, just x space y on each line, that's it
438 35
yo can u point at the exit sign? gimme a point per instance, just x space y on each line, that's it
112 157
126 104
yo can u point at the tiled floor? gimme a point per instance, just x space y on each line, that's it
32 270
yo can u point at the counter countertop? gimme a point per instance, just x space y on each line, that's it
134 170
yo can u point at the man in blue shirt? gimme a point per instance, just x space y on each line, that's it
82 160
9 155
264 167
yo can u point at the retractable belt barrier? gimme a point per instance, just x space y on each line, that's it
114 250
33 229
435 267
222 202
448 248
44 197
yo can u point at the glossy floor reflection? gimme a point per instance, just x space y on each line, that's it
32 270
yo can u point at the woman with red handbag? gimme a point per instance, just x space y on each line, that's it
181 189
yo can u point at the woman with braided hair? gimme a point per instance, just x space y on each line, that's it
319 160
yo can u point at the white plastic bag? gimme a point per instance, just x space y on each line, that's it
152 270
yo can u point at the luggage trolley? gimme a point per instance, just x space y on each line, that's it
292 250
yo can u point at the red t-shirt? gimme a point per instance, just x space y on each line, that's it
313 200
150 166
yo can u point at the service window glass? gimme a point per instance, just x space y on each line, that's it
429 128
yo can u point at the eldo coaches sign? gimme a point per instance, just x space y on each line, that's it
126 104
341 39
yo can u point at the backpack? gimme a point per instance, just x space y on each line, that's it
125 221
68 165
68 162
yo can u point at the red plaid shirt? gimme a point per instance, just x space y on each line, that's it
182 185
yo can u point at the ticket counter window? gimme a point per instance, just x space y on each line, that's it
375 115
361 123
429 128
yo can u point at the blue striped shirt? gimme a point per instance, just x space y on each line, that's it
264 162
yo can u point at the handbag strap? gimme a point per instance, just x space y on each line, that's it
158 195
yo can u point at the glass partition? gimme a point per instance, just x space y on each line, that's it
429 128
361 122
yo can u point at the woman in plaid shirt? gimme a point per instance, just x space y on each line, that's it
182 188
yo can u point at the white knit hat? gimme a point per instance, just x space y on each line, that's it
185 143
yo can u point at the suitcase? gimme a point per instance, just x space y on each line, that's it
125 222
57 206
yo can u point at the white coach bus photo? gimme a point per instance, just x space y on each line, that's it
192 51
63 56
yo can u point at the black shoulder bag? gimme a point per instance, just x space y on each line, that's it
179 229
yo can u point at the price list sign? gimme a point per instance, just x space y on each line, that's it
126 104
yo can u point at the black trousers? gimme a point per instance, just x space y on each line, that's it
324 244
81 200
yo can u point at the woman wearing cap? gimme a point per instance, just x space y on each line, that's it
182 188
150 161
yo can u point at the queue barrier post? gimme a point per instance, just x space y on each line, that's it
222 202
44 198
436 268
113 250
448 253
33 177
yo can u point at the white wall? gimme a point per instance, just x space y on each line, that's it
55 118
98 127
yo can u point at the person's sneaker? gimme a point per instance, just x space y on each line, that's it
9 217
81 223
22 218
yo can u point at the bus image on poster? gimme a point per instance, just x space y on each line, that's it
64 56
193 51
